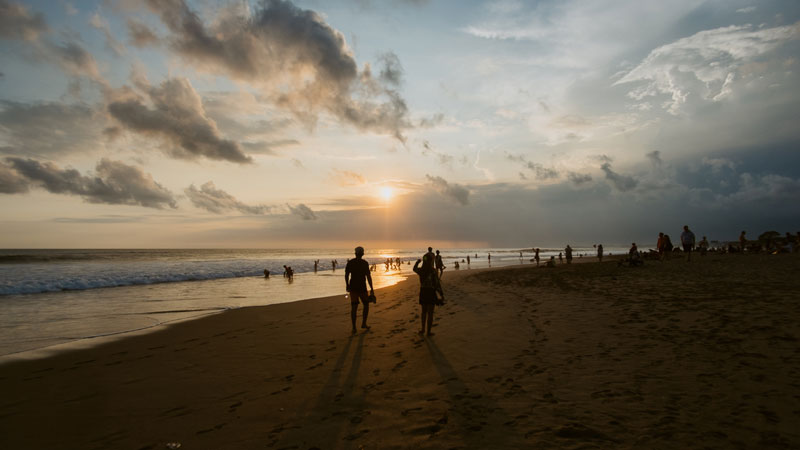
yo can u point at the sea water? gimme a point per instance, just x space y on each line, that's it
52 297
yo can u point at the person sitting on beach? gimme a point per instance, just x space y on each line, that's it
551 262
429 285
439 264
356 276
634 258
703 246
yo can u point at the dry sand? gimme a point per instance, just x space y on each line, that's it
673 355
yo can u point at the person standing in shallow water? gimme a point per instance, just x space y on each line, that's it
429 286
356 276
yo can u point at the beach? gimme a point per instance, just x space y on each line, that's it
668 355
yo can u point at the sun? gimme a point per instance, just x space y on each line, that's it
386 193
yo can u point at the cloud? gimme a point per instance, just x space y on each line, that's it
443 158
541 172
217 201
113 182
11 182
140 35
16 22
302 211
455 192
347 178
294 56
579 178
101 24
655 158
47 128
704 66
623 183
177 117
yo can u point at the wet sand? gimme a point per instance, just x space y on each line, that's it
672 355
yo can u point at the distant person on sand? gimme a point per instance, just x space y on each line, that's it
634 259
600 252
536 255
490 257
703 246
660 246
687 241
560 257
429 286
316 264
439 264
467 259
551 262
667 247
568 252
356 276
266 273
742 242
285 271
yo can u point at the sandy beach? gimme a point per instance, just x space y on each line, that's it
669 355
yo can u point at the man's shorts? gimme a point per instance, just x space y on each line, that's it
354 296
687 247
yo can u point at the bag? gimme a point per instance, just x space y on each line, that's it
372 299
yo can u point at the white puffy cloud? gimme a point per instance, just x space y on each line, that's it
703 66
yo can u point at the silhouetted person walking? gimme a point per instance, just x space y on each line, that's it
356 276
439 264
428 287
568 253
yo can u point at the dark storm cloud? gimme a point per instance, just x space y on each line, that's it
541 172
302 211
140 35
47 128
623 183
217 201
295 56
16 22
179 118
452 191
113 182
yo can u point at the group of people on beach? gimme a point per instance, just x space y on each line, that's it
357 276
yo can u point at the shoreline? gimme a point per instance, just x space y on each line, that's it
317 286
670 355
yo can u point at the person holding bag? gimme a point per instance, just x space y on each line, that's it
429 286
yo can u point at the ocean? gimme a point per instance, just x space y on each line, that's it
53 297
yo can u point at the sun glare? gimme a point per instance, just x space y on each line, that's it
386 193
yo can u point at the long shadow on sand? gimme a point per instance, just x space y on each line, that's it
470 412
339 396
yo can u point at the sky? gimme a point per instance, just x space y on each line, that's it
396 123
